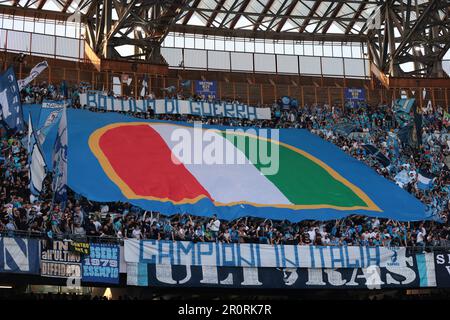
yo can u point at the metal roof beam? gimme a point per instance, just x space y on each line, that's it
256 15
238 15
41 4
324 16
228 12
311 13
337 9
358 13
93 4
288 12
33 13
282 8
188 15
263 14
241 33
214 14
66 5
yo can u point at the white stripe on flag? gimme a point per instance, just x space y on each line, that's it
30 132
426 269
431 274
37 169
227 183
423 179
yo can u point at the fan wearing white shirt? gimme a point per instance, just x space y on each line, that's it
420 238
312 234
215 227
97 224
137 234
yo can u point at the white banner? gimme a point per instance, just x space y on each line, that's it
261 255
54 104
96 99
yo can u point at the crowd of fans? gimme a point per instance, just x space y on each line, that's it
374 125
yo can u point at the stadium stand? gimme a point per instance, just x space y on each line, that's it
88 219
366 82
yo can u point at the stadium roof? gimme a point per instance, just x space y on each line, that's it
342 20
396 31
275 16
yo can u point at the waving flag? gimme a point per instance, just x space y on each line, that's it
392 143
144 86
404 105
60 161
36 162
29 135
64 89
186 84
11 109
170 89
446 119
50 115
344 129
371 149
403 178
37 70
424 181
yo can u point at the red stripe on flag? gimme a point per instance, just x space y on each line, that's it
142 159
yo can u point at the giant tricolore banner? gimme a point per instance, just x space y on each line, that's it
233 172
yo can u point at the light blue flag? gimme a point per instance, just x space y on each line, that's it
392 141
36 162
60 162
402 178
47 127
186 84
49 116
424 182
170 89
404 105
11 108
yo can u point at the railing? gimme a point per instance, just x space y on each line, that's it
109 239
60 236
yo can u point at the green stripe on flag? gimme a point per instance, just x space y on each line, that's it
301 180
